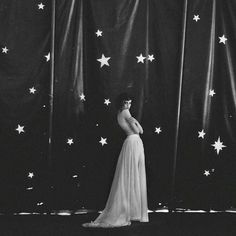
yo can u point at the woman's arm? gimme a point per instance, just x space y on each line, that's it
135 123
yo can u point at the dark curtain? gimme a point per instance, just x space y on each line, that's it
209 65
170 92
25 33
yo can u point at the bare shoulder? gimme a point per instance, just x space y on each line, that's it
125 114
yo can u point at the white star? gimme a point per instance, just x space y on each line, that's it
218 145
82 97
103 60
31 175
99 33
47 57
206 172
151 58
41 6
212 92
39 203
5 50
20 129
201 134
103 141
196 18
140 58
158 130
223 39
30 188
70 141
107 101
32 90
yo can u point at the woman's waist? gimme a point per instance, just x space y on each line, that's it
132 136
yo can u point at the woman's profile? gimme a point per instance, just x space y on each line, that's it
127 200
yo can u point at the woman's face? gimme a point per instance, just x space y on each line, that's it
127 104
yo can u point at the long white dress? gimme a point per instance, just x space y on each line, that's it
128 195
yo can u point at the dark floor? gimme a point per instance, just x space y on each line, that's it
181 224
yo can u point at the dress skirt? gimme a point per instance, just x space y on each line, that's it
128 195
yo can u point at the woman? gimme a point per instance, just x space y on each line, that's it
127 200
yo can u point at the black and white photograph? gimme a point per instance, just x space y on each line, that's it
117 117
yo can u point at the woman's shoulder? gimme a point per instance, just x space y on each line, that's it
125 113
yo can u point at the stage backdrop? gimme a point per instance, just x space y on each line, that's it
176 59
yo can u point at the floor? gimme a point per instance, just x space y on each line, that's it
181 224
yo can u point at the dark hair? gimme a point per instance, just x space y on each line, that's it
120 100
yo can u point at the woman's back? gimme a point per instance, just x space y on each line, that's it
122 118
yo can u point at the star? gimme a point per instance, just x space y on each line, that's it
39 203
196 18
140 58
82 97
30 188
158 130
70 141
47 57
218 145
223 39
103 141
32 90
41 6
107 101
5 50
212 92
206 172
201 134
20 129
103 60
31 175
151 58
98 33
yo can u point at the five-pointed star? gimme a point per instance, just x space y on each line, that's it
212 92
32 90
151 58
41 6
206 172
5 50
103 141
31 175
82 97
103 60
20 129
196 18
107 101
201 134
218 145
223 39
158 130
140 58
99 33
47 57
70 141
